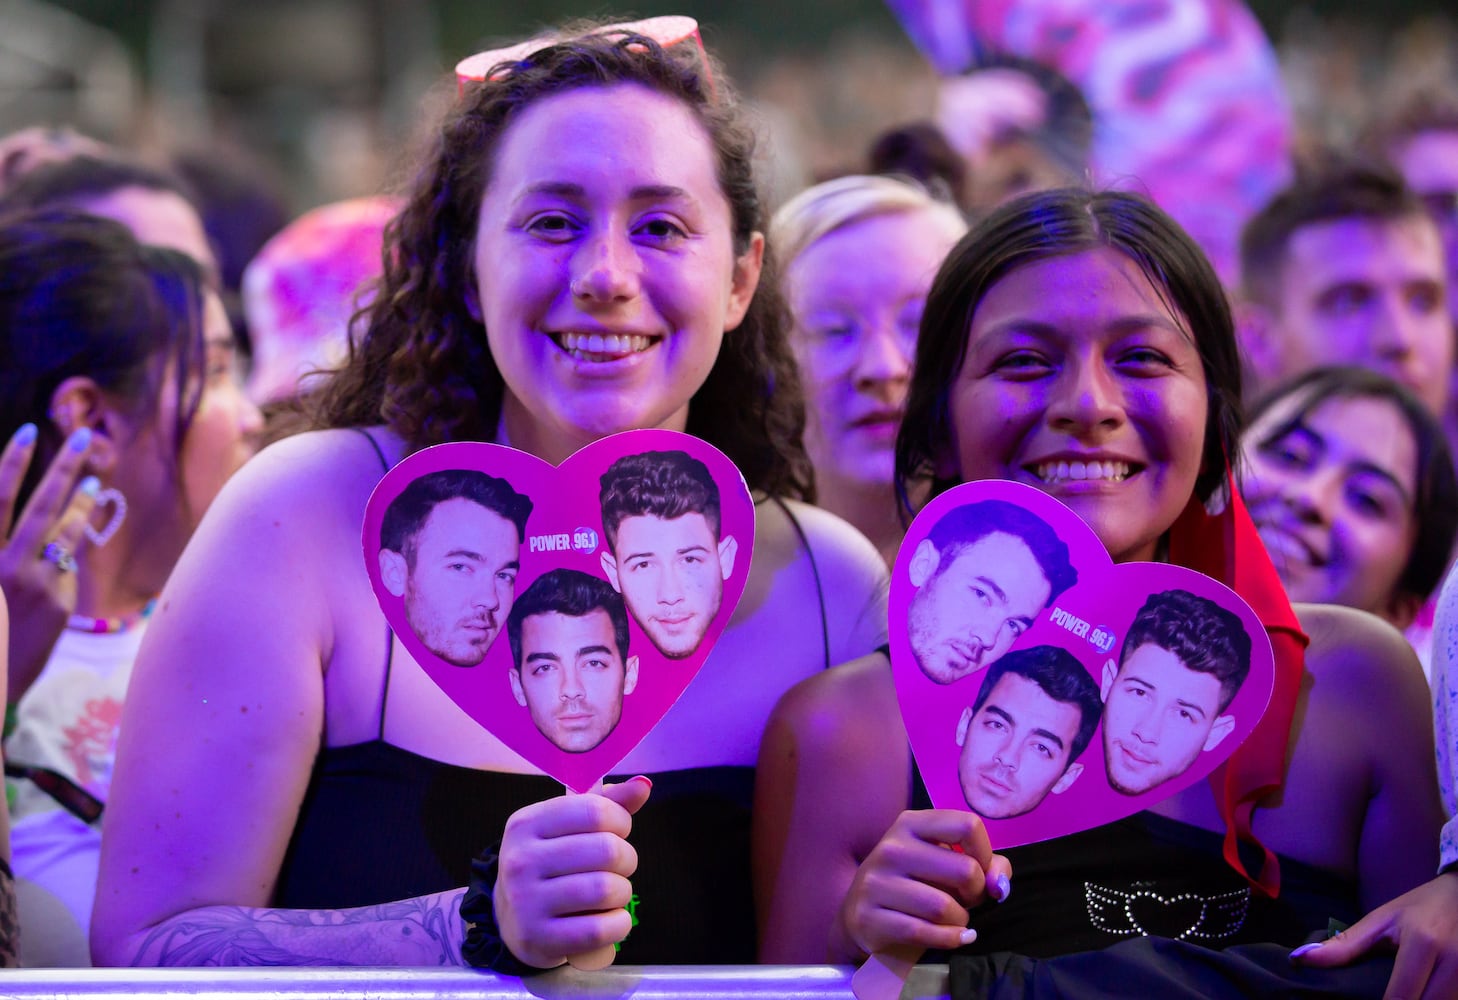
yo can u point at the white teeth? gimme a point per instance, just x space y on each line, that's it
1056 472
602 347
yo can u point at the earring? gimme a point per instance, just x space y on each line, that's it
110 495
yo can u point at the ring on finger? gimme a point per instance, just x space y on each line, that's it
59 556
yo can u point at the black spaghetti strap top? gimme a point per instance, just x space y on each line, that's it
1145 875
379 823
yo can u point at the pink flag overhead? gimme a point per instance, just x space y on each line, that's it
1186 94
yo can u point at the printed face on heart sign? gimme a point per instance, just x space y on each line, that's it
1049 690
609 577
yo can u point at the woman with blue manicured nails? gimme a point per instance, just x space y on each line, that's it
39 546
123 380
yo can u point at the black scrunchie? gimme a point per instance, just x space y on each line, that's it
483 946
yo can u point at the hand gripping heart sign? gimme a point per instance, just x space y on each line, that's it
566 608
1049 690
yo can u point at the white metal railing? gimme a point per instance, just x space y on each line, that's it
678 982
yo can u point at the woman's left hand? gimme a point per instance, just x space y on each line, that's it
1421 924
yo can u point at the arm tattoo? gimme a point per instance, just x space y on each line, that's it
9 925
422 931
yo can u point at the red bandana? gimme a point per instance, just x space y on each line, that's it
1225 546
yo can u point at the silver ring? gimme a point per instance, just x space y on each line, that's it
57 556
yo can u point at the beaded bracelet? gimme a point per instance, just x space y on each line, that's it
483 946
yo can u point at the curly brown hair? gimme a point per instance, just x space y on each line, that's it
423 366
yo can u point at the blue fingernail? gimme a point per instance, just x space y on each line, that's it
1306 949
80 439
25 435
1004 888
90 486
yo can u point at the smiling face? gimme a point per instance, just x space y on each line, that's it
604 266
461 580
572 677
966 614
1158 716
1332 497
855 334
671 574
1080 381
1367 292
1015 748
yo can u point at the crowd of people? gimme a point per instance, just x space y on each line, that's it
220 752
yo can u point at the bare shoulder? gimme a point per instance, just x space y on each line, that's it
849 572
307 475
847 715
838 547
1351 648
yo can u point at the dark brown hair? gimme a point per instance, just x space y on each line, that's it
423 366
81 297
1435 499
1058 223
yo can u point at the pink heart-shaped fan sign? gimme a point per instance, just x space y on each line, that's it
1048 689
564 608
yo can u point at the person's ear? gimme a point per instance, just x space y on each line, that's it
1111 670
1222 728
923 562
79 402
394 570
962 725
728 549
1069 777
610 570
630 674
514 675
747 268
1402 609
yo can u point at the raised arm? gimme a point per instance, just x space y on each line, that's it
841 867
41 592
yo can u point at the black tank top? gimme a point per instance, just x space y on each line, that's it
380 823
1146 875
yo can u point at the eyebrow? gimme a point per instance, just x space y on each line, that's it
1367 468
1051 737
471 554
992 585
1120 326
586 650
678 552
643 192
1298 426
1182 702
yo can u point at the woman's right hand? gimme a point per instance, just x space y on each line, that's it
915 889
562 880
42 594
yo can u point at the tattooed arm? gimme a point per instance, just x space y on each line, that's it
225 716
425 931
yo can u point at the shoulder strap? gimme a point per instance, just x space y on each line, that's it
389 632
815 571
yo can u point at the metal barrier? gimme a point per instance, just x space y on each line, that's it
679 982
